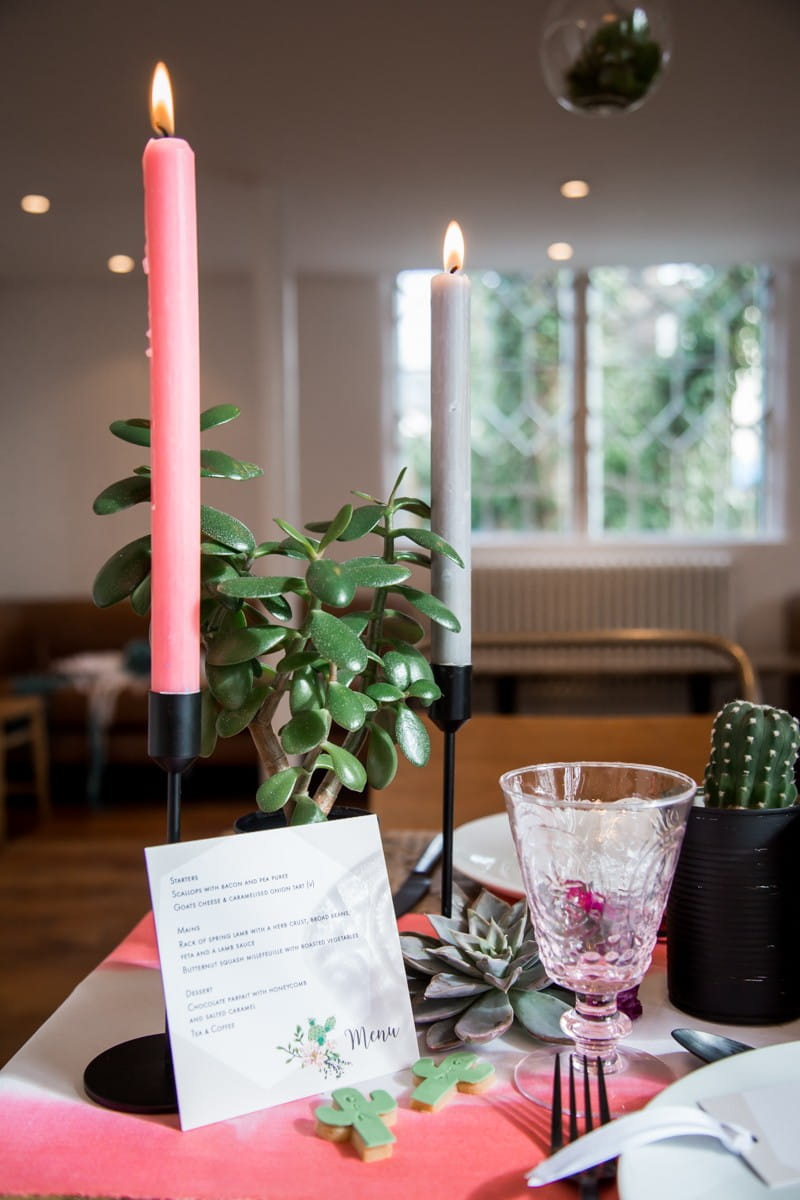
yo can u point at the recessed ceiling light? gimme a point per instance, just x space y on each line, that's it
34 204
559 251
575 189
121 264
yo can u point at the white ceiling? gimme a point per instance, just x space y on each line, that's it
378 120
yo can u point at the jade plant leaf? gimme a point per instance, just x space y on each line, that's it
425 690
306 812
217 550
385 693
330 582
215 570
220 414
226 529
291 548
135 430
345 707
301 658
305 731
381 758
122 573
413 556
336 642
122 494
275 791
401 626
264 548
230 685
347 767
337 526
259 587
362 521
208 724
397 669
308 547
357 621
413 505
239 645
375 573
306 691
140 597
416 662
232 721
215 464
366 702
412 737
431 607
430 541
278 607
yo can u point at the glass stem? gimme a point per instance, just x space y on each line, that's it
596 1025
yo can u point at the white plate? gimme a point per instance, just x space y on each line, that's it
698 1168
483 851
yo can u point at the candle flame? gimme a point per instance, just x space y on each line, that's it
453 248
161 114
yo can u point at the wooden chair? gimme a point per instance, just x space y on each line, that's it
22 722
693 654
488 745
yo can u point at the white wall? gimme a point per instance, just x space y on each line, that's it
340 324
72 360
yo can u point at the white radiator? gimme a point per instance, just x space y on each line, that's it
686 592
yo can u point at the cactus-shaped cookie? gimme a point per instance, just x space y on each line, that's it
753 753
362 1120
437 1081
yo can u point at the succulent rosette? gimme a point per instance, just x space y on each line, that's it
479 974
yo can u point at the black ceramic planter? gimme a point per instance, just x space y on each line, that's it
258 821
733 917
255 822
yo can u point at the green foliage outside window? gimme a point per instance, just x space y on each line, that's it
675 422
676 400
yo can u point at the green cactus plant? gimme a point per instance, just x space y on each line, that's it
754 749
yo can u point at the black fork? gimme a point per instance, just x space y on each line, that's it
587 1181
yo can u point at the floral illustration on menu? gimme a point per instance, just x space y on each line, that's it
314 1047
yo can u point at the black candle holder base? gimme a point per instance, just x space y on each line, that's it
134 1077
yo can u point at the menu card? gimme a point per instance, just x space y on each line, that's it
281 963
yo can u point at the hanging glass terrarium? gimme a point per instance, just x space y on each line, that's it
604 57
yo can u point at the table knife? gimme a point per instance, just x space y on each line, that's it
419 880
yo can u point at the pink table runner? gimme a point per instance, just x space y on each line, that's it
55 1142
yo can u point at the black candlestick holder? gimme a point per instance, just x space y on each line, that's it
449 713
137 1076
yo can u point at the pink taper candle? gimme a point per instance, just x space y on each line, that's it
171 266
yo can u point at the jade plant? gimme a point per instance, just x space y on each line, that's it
752 761
479 973
337 640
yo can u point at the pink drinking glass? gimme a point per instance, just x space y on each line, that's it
597 845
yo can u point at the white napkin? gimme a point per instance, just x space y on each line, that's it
638 1129
771 1112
